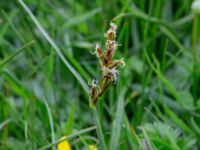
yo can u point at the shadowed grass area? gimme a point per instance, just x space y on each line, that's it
46 64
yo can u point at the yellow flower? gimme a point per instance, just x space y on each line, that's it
64 145
92 147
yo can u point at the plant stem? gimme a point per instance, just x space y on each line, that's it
194 52
68 137
99 129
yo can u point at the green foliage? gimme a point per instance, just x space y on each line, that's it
46 62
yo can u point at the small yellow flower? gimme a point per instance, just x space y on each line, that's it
64 145
92 147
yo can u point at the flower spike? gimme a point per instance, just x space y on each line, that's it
109 67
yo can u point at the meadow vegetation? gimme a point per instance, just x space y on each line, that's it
46 63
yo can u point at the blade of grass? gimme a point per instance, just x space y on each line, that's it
50 122
124 37
195 38
147 144
134 11
9 20
68 137
133 138
9 58
177 120
161 77
57 49
77 66
15 84
5 27
99 130
19 36
117 124
71 119
7 121
182 21
91 138
173 38
195 126
76 20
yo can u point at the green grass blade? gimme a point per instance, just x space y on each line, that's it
53 44
78 19
171 36
134 11
177 120
71 119
9 58
132 137
68 137
195 126
4 123
99 130
117 124
161 77
77 66
50 122
5 27
15 84
148 144
182 21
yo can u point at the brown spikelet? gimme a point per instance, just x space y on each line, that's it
108 65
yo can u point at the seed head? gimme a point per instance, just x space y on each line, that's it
110 73
113 26
93 88
98 51
111 33
109 66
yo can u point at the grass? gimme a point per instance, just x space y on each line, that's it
46 62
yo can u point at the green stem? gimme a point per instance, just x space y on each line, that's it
195 35
103 87
68 137
194 52
9 58
99 130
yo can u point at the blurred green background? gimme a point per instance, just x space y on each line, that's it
155 103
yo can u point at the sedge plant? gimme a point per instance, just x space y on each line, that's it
109 66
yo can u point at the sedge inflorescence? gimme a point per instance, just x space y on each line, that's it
109 66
